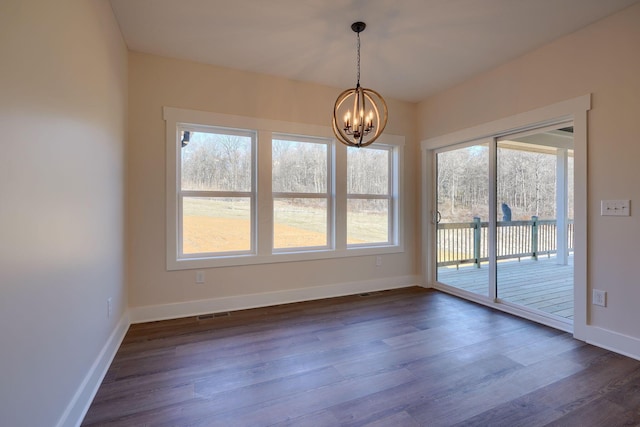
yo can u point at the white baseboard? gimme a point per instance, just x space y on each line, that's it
79 405
151 313
614 341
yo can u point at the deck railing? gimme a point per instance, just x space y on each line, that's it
467 242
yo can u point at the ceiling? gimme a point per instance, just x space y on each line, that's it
410 48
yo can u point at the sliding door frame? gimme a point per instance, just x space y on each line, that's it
574 110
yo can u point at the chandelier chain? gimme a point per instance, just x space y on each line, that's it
358 59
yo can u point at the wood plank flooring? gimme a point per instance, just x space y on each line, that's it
408 357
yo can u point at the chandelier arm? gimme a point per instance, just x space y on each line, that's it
338 130
377 112
344 141
381 123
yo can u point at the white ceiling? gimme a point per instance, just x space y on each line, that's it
410 49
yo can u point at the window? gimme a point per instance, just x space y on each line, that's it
369 195
370 190
216 198
301 192
244 191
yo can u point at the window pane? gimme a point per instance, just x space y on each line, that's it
216 224
299 167
462 233
299 223
368 170
217 162
367 221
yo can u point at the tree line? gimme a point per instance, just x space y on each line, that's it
217 162
526 182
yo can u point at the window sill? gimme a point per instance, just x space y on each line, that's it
239 260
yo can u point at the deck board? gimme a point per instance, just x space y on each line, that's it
541 284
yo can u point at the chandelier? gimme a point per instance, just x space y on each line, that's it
359 114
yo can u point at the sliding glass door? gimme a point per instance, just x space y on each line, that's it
462 218
534 233
520 251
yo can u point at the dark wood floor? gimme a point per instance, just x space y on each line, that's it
410 357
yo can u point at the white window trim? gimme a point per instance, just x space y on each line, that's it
264 200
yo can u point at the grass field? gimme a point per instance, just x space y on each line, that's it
217 225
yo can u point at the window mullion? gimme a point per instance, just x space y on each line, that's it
226 194
264 232
369 196
284 195
340 196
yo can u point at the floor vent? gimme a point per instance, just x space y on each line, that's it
212 315
368 294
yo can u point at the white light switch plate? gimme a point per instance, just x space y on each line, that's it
615 208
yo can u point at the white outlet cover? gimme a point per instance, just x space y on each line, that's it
599 298
199 276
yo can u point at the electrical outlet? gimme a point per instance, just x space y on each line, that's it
599 298
109 307
199 277
378 261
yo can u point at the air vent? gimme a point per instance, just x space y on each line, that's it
368 294
212 315
223 314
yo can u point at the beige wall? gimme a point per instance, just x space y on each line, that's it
156 82
63 114
601 59
63 83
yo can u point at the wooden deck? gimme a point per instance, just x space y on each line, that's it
541 284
